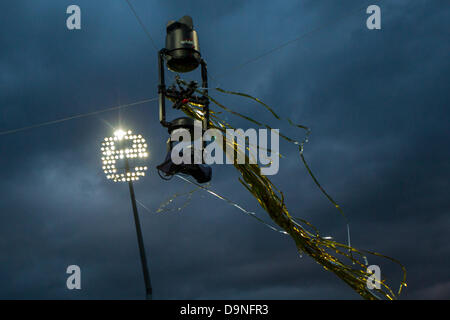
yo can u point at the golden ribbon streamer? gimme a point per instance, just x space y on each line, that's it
333 256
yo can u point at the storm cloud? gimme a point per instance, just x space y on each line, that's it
376 101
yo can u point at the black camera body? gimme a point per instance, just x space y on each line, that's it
183 51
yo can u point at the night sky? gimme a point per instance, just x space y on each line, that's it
376 101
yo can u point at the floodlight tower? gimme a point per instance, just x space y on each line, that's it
124 147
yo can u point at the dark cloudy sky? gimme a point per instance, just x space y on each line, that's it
377 103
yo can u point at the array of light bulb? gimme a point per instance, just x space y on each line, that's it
123 145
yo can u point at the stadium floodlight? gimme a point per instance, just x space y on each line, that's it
117 153
123 160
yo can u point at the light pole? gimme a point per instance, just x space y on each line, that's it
148 285
125 147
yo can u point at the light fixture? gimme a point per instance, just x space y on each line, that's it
124 147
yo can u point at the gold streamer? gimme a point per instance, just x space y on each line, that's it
330 254
164 207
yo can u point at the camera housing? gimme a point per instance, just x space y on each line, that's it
200 172
183 51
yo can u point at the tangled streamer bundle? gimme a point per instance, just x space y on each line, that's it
347 262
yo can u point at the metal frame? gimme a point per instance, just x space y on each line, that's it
163 92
